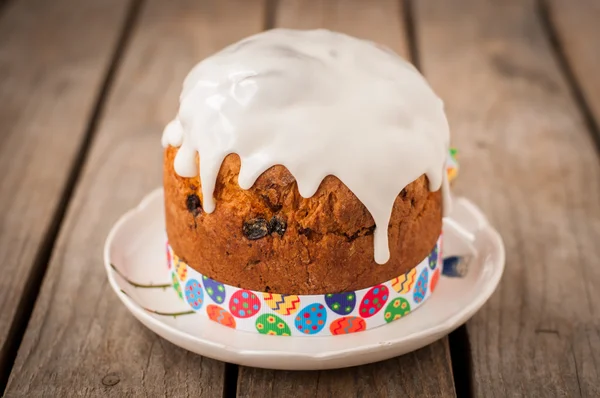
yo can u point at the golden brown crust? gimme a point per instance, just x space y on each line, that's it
327 245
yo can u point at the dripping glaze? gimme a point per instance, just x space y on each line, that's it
318 103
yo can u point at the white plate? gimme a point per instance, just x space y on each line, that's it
136 247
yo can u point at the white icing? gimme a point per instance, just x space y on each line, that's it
318 103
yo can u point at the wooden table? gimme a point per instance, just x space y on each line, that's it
86 87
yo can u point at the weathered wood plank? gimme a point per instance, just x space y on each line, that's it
423 373
529 162
54 56
578 32
381 21
81 340
426 372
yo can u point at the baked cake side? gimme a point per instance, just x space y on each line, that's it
269 238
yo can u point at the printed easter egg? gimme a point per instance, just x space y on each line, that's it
214 289
194 294
347 324
244 304
272 324
397 308
311 319
404 283
169 258
452 165
283 304
341 303
220 315
434 279
433 257
421 287
373 301
176 285
180 268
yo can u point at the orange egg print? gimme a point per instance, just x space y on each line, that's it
220 315
347 324
435 279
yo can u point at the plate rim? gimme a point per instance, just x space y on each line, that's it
244 356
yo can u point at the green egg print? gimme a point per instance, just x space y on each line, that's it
396 309
176 285
273 325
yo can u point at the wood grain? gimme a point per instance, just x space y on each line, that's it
81 341
381 21
426 372
423 373
41 62
578 31
529 162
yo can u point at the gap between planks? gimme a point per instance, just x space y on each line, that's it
458 340
232 371
266 378
36 276
551 33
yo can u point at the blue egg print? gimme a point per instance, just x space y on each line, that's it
215 290
421 288
194 294
341 303
433 257
312 319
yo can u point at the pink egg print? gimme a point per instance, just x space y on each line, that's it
373 301
421 287
169 258
244 304
194 294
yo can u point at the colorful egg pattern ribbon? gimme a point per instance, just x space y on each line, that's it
341 303
194 294
373 301
348 324
433 258
281 303
421 288
307 315
176 285
434 279
169 257
220 315
273 325
215 290
244 304
404 283
396 309
452 166
180 267
311 319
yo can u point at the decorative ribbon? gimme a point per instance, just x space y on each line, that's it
307 315
452 166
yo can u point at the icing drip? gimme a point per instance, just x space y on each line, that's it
318 103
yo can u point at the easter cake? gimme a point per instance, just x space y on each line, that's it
305 163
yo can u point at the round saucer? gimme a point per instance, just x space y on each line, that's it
134 256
